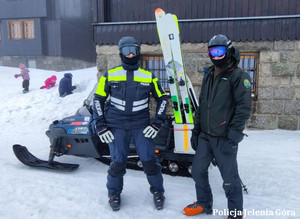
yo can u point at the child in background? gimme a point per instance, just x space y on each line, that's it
25 75
50 82
65 85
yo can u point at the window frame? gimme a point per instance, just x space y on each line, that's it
29 31
156 58
255 70
25 29
17 29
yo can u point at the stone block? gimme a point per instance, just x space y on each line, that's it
254 46
190 62
265 93
265 70
268 56
284 56
268 82
295 81
101 63
295 57
113 60
292 107
272 122
257 122
284 45
297 93
284 93
283 69
151 49
107 49
274 107
288 122
284 82
194 47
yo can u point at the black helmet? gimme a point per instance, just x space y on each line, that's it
131 43
219 46
219 40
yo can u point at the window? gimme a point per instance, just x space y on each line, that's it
28 29
15 30
21 29
156 65
249 62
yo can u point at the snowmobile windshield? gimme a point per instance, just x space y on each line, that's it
126 50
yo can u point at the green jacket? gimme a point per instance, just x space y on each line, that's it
224 104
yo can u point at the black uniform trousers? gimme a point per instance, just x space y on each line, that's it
225 154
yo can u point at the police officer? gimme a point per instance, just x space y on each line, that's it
125 115
224 107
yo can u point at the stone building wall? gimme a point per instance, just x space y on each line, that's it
278 101
55 63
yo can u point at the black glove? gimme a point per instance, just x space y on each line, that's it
235 136
194 141
231 142
74 87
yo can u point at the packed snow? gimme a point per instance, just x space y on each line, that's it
269 165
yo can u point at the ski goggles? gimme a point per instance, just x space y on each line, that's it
217 51
126 50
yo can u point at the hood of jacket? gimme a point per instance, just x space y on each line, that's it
68 75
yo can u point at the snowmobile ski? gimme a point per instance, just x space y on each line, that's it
29 159
165 45
168 29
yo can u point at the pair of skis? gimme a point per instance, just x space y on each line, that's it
168 31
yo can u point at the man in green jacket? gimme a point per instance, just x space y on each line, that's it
224 108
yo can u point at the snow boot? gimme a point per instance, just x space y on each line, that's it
115 202
159 200
195 208
25 91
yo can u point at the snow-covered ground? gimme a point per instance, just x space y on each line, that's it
269 164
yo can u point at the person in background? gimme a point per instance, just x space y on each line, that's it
25 75
126 115
65 85
224 108
49 82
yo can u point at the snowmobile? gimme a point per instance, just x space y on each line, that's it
76 135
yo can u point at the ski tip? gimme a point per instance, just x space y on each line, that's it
159 11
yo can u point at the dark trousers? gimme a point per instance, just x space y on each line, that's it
119 150
225 154
25 85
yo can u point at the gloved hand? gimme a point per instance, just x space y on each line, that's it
230 145
194 141
106 136
16 75
74 87
150 131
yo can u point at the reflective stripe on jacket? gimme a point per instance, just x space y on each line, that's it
129 95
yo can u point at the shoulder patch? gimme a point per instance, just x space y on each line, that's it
247 83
